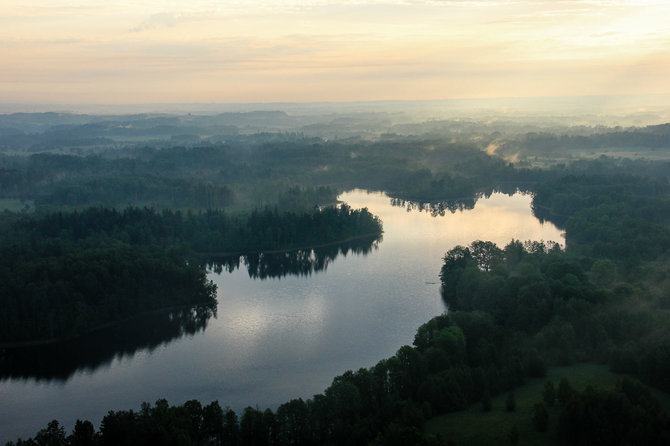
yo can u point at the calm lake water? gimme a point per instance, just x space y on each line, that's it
271 339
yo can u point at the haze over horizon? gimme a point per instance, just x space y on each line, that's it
92 52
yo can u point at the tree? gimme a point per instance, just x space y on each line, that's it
514 435
565 391
486 254
510 402
119 427
549 394
83 434
486 402
52 435
231 427
252 427
514 252
455 259
452 341
540 417
458 262
194 410
604 272
212 421
292 418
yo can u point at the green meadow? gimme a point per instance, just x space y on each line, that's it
475 427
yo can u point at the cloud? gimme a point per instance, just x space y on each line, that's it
318 49
167 20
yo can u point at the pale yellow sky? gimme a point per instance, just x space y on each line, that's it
90 51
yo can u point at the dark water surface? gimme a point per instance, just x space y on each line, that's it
270 339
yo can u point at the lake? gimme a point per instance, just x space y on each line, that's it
272 339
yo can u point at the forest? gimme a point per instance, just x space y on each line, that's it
515 312
65 273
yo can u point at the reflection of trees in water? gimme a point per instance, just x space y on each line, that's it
300 262
61 360
435 209
440 208
544 214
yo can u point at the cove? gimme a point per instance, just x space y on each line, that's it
275 336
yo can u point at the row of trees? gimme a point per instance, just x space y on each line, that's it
209 231
627 414
550 143
255 170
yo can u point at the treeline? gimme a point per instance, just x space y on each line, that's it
253 170
244 170
60 361
552 143
625 415
62 274
202 232
621 217
270 229
198 178
160 191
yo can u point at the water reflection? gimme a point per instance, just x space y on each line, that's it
61 360
435 209
440 208
544 214
301 262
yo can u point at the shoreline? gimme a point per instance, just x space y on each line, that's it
42 342
279 251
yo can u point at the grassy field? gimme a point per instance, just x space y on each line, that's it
475 427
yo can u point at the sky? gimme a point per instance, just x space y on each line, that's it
168 51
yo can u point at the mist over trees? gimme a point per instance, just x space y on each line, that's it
115 216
